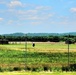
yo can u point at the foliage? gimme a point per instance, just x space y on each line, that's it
70 41
51 38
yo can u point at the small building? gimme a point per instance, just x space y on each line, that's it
4 41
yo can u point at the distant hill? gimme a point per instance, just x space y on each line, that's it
32 34
15 34
70 33
41 34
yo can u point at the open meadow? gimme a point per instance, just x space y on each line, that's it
39 47
45 56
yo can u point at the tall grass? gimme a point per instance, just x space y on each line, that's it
44 56
34 60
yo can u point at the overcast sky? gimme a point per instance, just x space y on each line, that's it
37 16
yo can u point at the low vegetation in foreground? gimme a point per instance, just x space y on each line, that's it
38 73
36 61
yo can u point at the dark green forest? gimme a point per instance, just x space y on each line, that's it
49 38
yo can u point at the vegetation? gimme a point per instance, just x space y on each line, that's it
49 53
42 57
51 38
38 73
41 34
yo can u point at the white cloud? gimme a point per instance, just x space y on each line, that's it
49 15
43 8
1 19
15 3
37 13
35 23
39 17
10 22
34 14
32 17
32 11
73 9
23 12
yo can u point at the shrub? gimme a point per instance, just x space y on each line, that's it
1 69
28 68
56 69
72 67
17 69
33 69
50 69
70 41
66 68
46 68
10 69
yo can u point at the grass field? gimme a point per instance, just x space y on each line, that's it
36 73
40 47
44 56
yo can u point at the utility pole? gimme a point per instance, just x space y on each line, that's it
26 42
68 51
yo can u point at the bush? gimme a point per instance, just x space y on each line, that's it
66 68
46 68
17 69
56 69
28 68
70 41
73 67
9 69
1 69
39 69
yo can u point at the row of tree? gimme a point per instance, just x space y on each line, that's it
70 38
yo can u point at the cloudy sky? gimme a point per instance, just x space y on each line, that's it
37 16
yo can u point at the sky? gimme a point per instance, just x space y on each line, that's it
37 16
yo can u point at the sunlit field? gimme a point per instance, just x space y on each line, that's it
45 56
40 47
36 73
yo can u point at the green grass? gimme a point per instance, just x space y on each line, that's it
36 73
34 61
40 47
43 55
12 56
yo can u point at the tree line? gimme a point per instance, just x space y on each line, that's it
70 38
